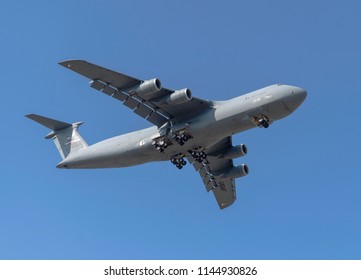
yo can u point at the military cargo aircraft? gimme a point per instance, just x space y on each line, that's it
184 127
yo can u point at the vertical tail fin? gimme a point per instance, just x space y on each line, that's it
65 135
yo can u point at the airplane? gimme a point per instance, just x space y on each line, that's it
184 127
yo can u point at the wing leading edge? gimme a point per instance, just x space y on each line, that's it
121 87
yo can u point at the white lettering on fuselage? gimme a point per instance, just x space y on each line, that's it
254 95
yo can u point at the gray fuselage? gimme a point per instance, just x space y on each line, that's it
222 119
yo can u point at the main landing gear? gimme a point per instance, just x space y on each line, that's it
161 144
198 155
178 161
182 136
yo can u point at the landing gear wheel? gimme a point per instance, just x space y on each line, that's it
160 149
160 144
182 136
262 121
178 160
198 155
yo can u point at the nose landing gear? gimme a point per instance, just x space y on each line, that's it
261 121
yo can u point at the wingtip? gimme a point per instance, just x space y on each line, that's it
225 205
69 63
32 116
66 63
29 115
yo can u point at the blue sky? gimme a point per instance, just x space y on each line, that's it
301 199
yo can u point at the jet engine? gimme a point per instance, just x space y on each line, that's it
147 88
236 172
235 152
178 97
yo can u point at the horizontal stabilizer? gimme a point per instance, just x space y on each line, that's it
49 123
65 135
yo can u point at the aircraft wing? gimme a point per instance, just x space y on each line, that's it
223 189
118 86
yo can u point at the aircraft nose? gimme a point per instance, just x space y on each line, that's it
298 95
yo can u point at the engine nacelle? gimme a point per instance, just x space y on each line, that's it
148 87
236 172
235 152
179 97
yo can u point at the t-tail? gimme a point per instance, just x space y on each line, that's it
65 135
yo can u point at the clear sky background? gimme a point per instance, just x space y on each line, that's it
302 198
